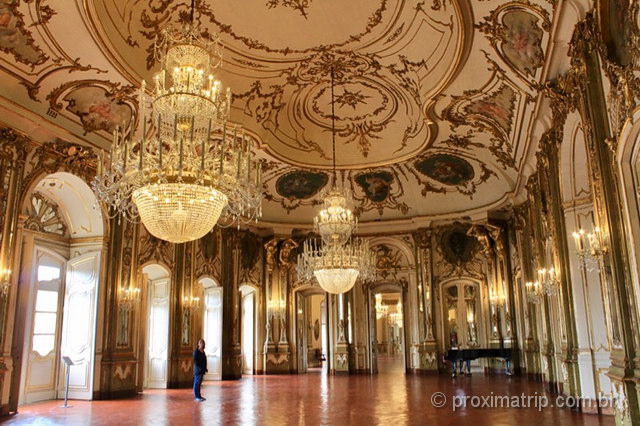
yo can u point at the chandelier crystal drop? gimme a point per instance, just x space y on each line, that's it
187 168
341 259
336 267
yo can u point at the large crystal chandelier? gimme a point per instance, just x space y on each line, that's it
340 260
192 167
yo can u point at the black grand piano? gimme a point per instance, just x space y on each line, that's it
462 358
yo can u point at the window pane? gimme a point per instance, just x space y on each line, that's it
47 301
48 273
44 323
43 344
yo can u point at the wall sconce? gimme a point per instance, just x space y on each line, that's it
129 297
496 297
191 302
276 306
5 282
548 280
590 248
534 292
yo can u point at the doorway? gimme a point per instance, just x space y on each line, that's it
212 327
60 265
389 332
156 365
312 331
248 328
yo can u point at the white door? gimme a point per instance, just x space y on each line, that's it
213 332
158 334
247 333
79 323
42 341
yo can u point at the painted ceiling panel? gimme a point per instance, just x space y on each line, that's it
434 98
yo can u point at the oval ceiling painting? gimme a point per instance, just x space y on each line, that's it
376 185
301 184
447 169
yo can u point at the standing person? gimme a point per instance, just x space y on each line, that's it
199 369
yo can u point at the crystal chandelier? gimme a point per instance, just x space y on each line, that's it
340 260
193 168
336 267
590 248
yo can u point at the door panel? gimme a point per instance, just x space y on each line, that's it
247 333
42 342
158 339
213 332
79 323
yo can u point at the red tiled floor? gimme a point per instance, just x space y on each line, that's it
389 398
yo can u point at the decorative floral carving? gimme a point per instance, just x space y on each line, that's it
298 5
152 248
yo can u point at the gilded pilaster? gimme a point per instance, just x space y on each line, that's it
231 349
428 347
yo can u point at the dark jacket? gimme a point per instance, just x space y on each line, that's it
199 362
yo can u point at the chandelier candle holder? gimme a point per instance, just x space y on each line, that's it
590 248
5 282
129 297
187 169
534 292
548 281
190 302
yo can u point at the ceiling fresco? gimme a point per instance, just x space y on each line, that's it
434 98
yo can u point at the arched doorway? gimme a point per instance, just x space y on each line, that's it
248 321
158 283
388 332
60 240
212 327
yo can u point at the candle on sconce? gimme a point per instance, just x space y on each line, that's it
579 240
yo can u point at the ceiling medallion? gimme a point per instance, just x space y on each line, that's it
340 260
193 168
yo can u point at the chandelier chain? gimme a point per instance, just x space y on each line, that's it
333 126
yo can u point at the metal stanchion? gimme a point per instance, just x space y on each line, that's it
68 363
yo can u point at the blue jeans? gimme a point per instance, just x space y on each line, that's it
197 382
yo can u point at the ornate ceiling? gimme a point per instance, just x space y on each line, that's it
434 98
